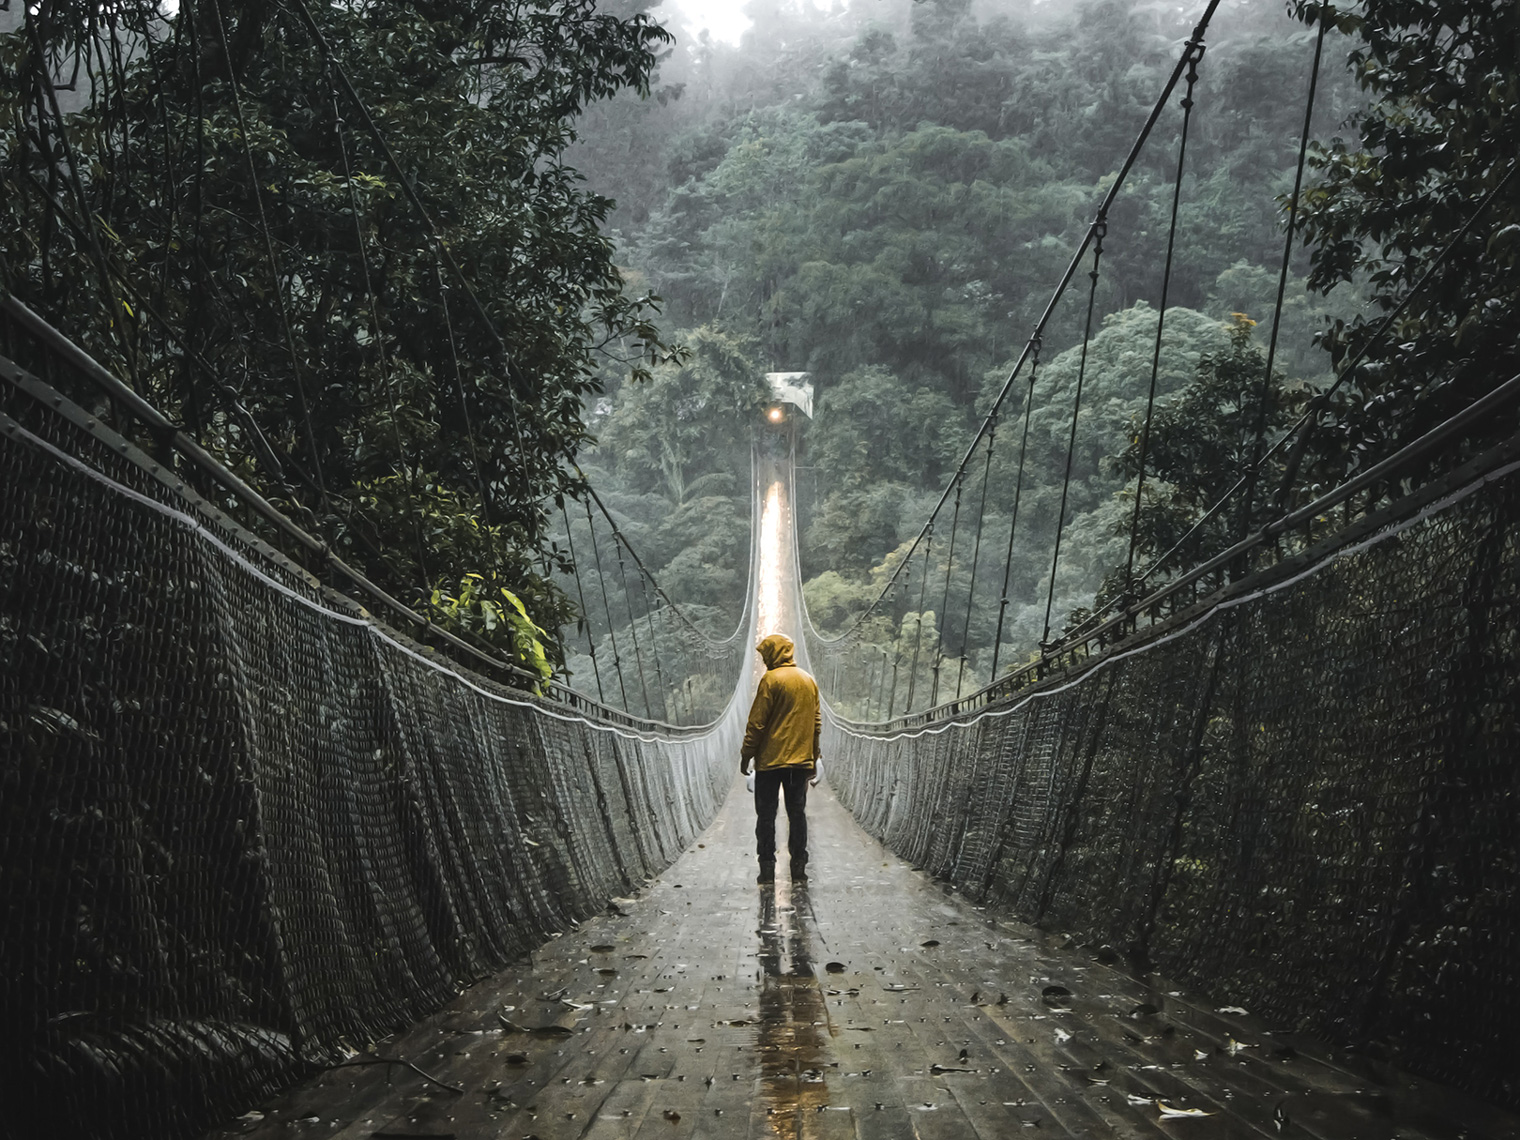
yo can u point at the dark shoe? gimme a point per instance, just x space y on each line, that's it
767 875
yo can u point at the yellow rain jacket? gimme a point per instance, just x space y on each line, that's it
786 718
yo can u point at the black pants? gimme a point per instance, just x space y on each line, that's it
769 786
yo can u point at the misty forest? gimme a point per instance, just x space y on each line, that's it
880 193
884 196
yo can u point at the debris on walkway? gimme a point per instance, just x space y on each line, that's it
869 1003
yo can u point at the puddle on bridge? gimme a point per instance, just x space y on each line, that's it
870 1004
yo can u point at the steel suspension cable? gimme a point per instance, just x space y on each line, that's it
1253 471
944 604
654 583
1018 490
601 578
464 404
408 187
1303 427
918 628
633 625
1195 50
1101 229
580 591
518 398
654 649
45 91
274 264
1073 265
976 553
387 378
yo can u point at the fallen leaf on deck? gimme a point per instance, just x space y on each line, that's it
1168 1110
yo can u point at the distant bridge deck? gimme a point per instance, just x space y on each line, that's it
869 1003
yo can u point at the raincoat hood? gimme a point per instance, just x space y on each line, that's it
776 650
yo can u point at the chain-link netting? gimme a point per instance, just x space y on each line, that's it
1304 802
245 830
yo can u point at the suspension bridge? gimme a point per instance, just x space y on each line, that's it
1233 855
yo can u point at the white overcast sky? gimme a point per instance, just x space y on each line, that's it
725 19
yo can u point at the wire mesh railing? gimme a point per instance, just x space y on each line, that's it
1296 795
247 828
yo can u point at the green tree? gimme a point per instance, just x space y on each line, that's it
687 420
1441 133
353 376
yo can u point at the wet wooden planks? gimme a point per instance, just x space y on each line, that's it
867 1004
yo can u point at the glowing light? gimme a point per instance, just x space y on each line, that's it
771 571
776 415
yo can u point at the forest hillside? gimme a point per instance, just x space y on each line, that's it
884 194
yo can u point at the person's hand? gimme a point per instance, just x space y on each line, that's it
743 766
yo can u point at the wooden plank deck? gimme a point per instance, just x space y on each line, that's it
868 1004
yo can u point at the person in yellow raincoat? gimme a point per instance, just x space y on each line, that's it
781 741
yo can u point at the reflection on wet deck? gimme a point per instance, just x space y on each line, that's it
870 1004
793 1034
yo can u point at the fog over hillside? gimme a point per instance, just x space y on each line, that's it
884 194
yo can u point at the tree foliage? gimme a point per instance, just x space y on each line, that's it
213 217
1441 132
1202 440
888 207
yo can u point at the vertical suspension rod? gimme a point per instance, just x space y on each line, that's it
976 552
1253 471
944 603
1013 521
1101 229
601 577
580 591
633 625
1194 56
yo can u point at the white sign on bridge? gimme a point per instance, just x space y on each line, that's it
795 388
